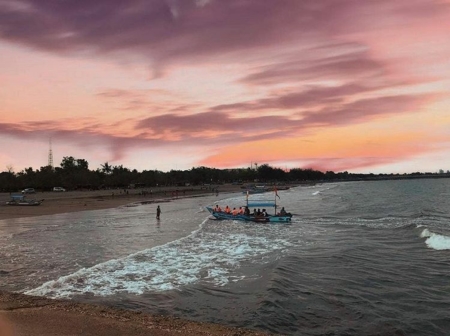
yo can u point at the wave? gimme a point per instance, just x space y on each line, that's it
436 241
201 256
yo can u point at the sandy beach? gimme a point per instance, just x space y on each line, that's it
72 201
22 315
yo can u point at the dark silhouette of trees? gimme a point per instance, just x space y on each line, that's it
75 174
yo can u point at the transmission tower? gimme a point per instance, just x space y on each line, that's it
50 154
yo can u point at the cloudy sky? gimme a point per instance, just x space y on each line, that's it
342 85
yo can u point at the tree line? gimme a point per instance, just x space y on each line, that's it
74 174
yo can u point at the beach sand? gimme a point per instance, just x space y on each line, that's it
22 315
72 201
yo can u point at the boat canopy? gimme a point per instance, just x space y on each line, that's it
261 204
17 197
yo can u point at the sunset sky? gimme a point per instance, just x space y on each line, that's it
343 85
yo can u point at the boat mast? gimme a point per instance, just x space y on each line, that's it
275 189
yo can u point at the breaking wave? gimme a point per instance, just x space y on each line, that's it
436 241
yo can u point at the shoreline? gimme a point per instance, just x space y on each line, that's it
74 201
22 314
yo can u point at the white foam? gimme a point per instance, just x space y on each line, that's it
201 256
316 192
436 241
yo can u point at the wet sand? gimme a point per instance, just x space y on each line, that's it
22 315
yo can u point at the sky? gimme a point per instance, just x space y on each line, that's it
334 85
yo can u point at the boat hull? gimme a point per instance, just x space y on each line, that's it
244 218
21 200
24 203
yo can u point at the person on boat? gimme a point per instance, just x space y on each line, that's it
258 212
264 213
283 212
241 211
227 209
235 212
247 211
255 213
158 212
217 208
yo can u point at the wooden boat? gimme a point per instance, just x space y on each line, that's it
255 189
277 218
20 200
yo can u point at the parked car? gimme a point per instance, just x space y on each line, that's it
59 189
28 191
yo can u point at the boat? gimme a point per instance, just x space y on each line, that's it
259 189
22 201
276 218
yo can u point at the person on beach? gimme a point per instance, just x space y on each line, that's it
158 212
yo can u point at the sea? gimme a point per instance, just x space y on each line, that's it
358 258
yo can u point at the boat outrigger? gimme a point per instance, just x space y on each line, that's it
248 216
22 201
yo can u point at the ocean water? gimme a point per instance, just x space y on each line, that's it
359 258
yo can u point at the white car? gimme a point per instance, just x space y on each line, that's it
59 189
28 191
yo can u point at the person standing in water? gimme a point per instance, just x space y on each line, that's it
158 212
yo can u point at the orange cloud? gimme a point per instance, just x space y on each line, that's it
333 149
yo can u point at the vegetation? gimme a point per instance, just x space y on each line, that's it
75 174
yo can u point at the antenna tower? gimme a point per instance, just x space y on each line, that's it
50 154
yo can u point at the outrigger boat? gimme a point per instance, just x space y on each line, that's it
20 200
277 218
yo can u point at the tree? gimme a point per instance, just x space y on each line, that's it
68 163
106 168
82 164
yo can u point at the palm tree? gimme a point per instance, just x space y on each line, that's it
106 168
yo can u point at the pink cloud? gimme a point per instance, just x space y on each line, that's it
349 66
163 32
310 96
212 128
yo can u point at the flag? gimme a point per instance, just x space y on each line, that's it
276 193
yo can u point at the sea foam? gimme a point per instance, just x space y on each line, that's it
436 241
201 256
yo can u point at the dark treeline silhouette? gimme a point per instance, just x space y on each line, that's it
74 174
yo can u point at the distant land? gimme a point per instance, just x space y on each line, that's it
74 174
